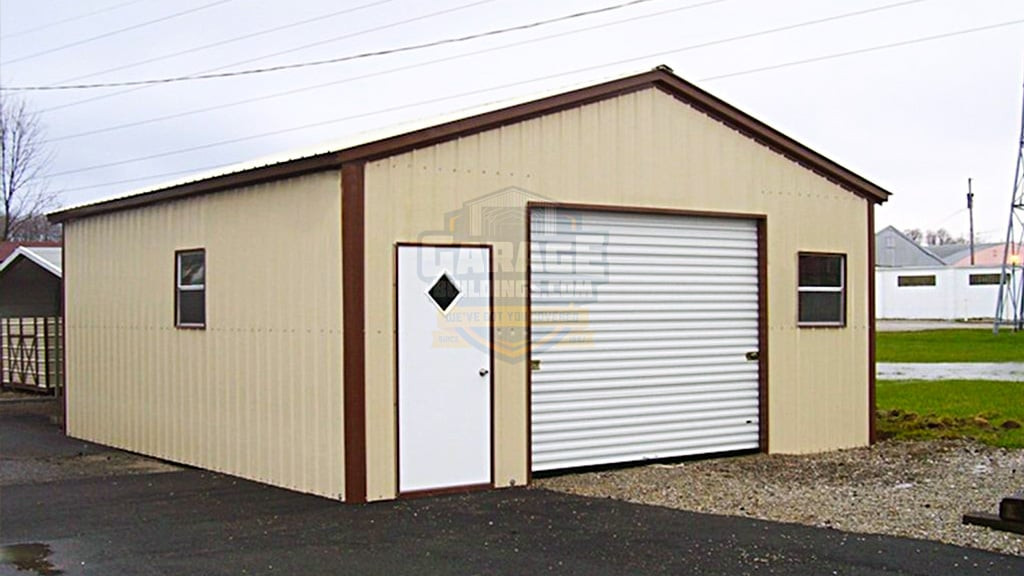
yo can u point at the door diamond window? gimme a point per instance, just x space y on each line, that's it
444 293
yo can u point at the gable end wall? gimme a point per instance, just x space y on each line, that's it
643 149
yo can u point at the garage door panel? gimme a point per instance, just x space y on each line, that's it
721 383
596 317
722 292
635 333
606 270
575 406
561 227
644 434
554 384
561 457
581 401
655 351
641 326
678 370
613 421
708 302
554 283
560 419
627 366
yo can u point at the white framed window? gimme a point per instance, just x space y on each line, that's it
821 290
190 288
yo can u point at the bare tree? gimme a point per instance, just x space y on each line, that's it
942 237
23 192
36 228
914 234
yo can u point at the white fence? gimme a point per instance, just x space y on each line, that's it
937 293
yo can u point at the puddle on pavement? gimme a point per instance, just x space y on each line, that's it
29 558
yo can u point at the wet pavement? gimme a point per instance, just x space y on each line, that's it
1005 371
34 450
196 522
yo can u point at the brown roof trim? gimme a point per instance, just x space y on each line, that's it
772 138
661 78
249 177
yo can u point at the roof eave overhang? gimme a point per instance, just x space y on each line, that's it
660 78
249 177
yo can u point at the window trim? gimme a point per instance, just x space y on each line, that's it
841 290
179 288
971 278
917 280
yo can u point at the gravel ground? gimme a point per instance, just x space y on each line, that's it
913 489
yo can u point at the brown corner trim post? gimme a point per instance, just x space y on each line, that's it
62 331
871 323
762 334
353 330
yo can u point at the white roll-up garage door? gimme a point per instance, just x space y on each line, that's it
644 336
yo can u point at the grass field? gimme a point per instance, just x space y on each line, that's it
991 412
967 345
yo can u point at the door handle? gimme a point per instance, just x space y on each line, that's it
484 372
753 356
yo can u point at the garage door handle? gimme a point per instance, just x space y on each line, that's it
484 372
753 356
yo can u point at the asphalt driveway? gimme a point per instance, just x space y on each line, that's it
168 520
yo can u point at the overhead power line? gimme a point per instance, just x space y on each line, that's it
502 87
373 74
227 41
393 70
70 19
282 52
114 32
358 56
869 49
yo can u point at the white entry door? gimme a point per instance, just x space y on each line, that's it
444 367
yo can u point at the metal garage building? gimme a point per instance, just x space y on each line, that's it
629 271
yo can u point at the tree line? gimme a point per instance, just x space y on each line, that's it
940 237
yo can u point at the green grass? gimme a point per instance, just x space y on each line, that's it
966 345
975 409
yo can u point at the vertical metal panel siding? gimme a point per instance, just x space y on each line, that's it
256 394
641 324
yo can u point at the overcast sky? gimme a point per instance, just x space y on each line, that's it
918 118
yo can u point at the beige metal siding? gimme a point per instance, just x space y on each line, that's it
642 149
258 393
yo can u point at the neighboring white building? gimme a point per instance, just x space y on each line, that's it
936 292
915 282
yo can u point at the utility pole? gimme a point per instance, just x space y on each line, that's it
1011 289
970 210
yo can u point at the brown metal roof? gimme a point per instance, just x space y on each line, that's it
660 77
